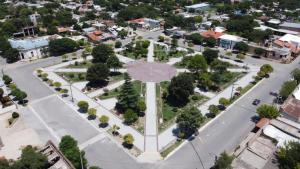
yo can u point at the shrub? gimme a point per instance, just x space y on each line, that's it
104 120
7 80
130 117
92 112
128 140
83 106
15 115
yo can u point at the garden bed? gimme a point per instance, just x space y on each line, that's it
167 113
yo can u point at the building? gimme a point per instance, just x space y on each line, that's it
145 23
228 41
197 7
35 18
289 41
56 159
211 33
290 26
32 48
291 107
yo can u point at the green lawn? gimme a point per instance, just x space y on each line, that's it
85 64
138 86
72 76
167 112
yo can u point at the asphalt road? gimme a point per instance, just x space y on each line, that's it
225 133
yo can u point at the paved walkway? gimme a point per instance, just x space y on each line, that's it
151 119
151 152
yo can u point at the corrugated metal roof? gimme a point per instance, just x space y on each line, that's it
27 44
290 25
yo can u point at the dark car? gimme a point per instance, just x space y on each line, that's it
256 102
274 94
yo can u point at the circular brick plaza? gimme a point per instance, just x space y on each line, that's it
150 71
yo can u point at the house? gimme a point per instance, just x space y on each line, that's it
55 157
197 7
291 107
289 41
290 26
211 33
145 23
228 41
34 18
31 48
89 30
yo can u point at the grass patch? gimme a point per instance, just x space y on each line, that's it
84 64
72 76
170 148
137 85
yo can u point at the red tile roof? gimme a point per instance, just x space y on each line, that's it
292 107
94 37
291 46
262 122
139 20
211 33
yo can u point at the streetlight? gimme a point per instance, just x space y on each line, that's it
232 90
71 92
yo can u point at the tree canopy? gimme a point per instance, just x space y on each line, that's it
189 121
101 53
287 88
224 161
97 74
288 156
267 111
69 147
62 46
180 88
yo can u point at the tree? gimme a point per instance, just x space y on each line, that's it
223 101
189 121
115 129
94 167
288 156
174 43
114 62
92 112
97 74
287 88
128 140
69 147
241 56
213 109
62 46
205 81
128 97
267 111
180 88
20 96
210 42
122 34
141 106
296 75
161 39
7 79
197 64
130 116
104 120
31 159
11 55
118 44
266 68
101 53
259 51
224 161
210 55
196 38
57 85
83 106
242 47
1 93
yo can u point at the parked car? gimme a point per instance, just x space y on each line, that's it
256 102
274 93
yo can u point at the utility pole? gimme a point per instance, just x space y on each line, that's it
231 95
197 154
71 92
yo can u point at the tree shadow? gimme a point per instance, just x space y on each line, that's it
97 84
103 125
91 117
128 146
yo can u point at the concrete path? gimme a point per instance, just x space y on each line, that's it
109 87
124 59
151 119
151 153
